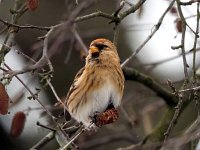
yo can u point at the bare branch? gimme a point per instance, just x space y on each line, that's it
132 74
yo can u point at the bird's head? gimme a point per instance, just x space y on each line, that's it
102 49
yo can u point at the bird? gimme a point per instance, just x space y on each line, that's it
98 87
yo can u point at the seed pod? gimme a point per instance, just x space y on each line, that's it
17 124
107 117
4 100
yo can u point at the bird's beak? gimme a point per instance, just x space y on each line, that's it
94 49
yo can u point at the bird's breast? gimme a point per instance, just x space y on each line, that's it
101 97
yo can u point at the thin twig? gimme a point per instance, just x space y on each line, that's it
116 35
189 3
46 127
3 69
195 45
80 41
72 41
167 59
132 9
126 115
156 27
56 95
176 114
185 65
21 27
44 141
190 89
3 30
82 130
95 14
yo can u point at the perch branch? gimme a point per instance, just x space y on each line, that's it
134 75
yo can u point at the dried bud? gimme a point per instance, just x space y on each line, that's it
4 100
32 4
17 124
179 25
173 11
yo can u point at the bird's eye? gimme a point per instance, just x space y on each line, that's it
101 46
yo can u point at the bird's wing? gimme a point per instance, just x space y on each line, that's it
72 88
73 84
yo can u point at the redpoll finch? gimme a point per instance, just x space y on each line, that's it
98 87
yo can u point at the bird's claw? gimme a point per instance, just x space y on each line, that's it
94 118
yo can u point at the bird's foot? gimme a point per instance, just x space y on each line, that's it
94 118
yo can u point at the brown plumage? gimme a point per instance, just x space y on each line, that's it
98 86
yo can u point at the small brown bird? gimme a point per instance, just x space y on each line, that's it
98 87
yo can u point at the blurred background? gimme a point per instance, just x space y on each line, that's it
141 108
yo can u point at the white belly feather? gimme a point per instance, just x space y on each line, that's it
98 102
